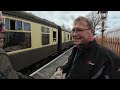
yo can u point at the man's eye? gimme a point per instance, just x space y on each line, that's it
79 30
73 30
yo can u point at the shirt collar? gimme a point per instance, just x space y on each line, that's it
84 47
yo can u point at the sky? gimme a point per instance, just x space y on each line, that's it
60 17
67 17
113 19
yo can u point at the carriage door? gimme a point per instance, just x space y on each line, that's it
59 40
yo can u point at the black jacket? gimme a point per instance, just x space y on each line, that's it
92 61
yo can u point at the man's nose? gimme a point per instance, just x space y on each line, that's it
75 33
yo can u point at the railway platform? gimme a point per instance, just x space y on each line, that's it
47 71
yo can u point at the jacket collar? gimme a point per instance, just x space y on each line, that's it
83 47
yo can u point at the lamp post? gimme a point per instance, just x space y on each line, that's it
103 16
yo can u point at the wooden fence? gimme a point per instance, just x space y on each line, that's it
113 43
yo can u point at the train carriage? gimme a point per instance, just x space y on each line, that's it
29 38
66 39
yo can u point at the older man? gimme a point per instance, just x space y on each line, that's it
88 59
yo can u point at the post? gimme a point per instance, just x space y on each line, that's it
103 23
103 16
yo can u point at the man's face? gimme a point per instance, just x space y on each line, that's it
81 33
2 31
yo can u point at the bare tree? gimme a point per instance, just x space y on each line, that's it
69 29
95 17
63 26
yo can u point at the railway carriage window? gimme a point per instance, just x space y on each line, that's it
47 30
64 36
16 41
19 25
12 24
27 26
45 39
45 35
68 36
6 23
54 36
42 29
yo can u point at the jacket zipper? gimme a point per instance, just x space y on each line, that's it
72 66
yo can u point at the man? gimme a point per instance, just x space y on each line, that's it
6 69
88 59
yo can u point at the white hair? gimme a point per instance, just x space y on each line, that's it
88 20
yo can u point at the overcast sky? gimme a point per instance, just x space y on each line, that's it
67 17
60 17
113 19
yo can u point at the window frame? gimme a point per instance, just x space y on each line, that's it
24 26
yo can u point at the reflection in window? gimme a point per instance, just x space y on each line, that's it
45 29
19 25
16 41
45 39
27 26
6 23
9 24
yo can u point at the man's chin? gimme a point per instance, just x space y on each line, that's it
77 43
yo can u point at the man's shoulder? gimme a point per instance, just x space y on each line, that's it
105 49
102 49
2 51
109 53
